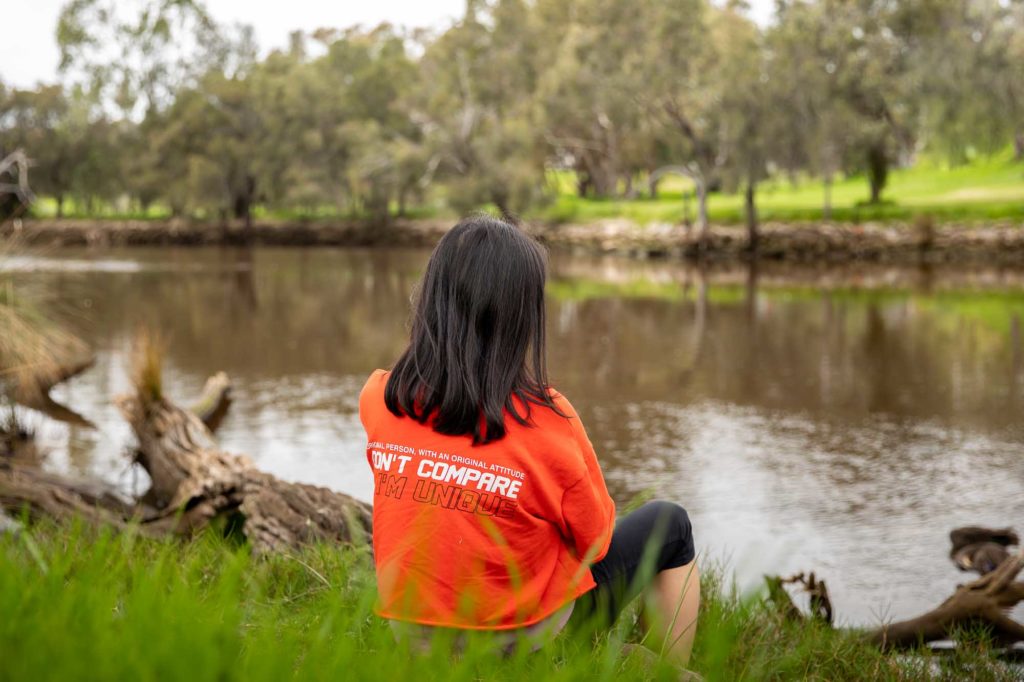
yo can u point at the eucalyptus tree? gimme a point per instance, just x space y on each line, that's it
134 55
749 110
368 139
72 148
856 104
966 61
475 111
684 88
817 128
590 90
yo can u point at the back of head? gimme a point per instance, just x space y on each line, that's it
477 336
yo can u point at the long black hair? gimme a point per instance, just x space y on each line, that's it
477 336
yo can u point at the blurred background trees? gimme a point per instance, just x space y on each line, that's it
159 106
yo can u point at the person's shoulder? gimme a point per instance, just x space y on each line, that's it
562 403
372 395
377 380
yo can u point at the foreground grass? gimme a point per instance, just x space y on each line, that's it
79 603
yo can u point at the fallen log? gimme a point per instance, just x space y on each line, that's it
194 482
41 494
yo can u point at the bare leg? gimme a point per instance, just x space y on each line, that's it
672 604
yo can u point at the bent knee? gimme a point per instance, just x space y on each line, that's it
677 521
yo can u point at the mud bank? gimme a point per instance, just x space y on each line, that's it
104 233
999 243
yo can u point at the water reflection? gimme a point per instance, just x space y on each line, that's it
836 420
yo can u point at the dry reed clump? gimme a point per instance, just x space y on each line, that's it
35 350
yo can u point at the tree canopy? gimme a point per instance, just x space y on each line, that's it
159 104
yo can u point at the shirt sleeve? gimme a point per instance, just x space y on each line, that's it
588 511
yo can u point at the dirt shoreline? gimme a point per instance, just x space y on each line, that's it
1000 243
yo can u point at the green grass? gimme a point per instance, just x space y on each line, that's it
84 604
986 189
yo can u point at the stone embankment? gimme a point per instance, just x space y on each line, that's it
997 243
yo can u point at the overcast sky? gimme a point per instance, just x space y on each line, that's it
28 53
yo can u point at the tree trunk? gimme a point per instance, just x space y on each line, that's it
628 192
60 205
582 184
703 224
878 171
826 210
1018 146
242 205
751 213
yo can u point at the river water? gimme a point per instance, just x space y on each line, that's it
840 421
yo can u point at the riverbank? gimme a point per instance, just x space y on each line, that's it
79 601
998 243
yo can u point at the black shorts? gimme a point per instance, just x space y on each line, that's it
656 537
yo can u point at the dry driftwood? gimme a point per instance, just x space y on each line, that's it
193 482
41 494
983 602
821 603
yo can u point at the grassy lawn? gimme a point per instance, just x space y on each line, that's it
988 188
85 604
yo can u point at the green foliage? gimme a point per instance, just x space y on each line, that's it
78 601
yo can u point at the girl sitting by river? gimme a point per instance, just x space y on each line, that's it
490 511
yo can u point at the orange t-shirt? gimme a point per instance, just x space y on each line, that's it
485 537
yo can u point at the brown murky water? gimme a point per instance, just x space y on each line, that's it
841 422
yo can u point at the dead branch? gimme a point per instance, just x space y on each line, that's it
821 603
981 602
213 403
